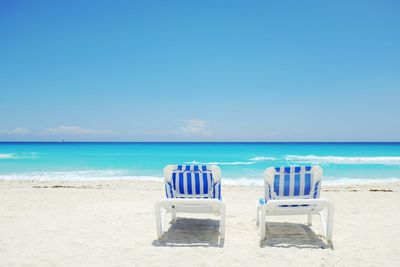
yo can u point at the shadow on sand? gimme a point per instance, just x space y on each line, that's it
286 235
188 232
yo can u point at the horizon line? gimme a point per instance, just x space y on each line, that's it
210 142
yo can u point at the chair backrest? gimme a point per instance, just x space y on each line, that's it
192 181
292 182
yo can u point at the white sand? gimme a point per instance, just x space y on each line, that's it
112 224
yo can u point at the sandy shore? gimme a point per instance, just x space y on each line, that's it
112 224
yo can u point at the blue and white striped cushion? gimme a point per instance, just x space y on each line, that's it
193 181
293 182
195 168
169 190
317 189
217 191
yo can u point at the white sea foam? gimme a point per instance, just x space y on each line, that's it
243 181
343 160
221 163
326 181
261 158
6 156
103 175
88 175
22 155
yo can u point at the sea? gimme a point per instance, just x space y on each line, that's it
241 163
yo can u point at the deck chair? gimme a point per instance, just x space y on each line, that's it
191 189
294 190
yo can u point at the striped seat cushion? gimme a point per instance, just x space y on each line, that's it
193 181
293 182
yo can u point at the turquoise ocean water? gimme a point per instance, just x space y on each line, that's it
241 163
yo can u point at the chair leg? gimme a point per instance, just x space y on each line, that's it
158 220
173 216
309 219
329 223
222 223
262 224
258 215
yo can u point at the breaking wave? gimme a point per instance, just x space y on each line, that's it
108 175
260 158
88 175
343 160
22 155
221 163
6 156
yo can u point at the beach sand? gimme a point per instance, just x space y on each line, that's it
111 223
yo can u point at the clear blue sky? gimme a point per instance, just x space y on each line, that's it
200 70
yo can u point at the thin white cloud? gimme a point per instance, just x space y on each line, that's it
16 131
195 127
75 130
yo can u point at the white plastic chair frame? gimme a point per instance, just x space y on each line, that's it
318 206
188 205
